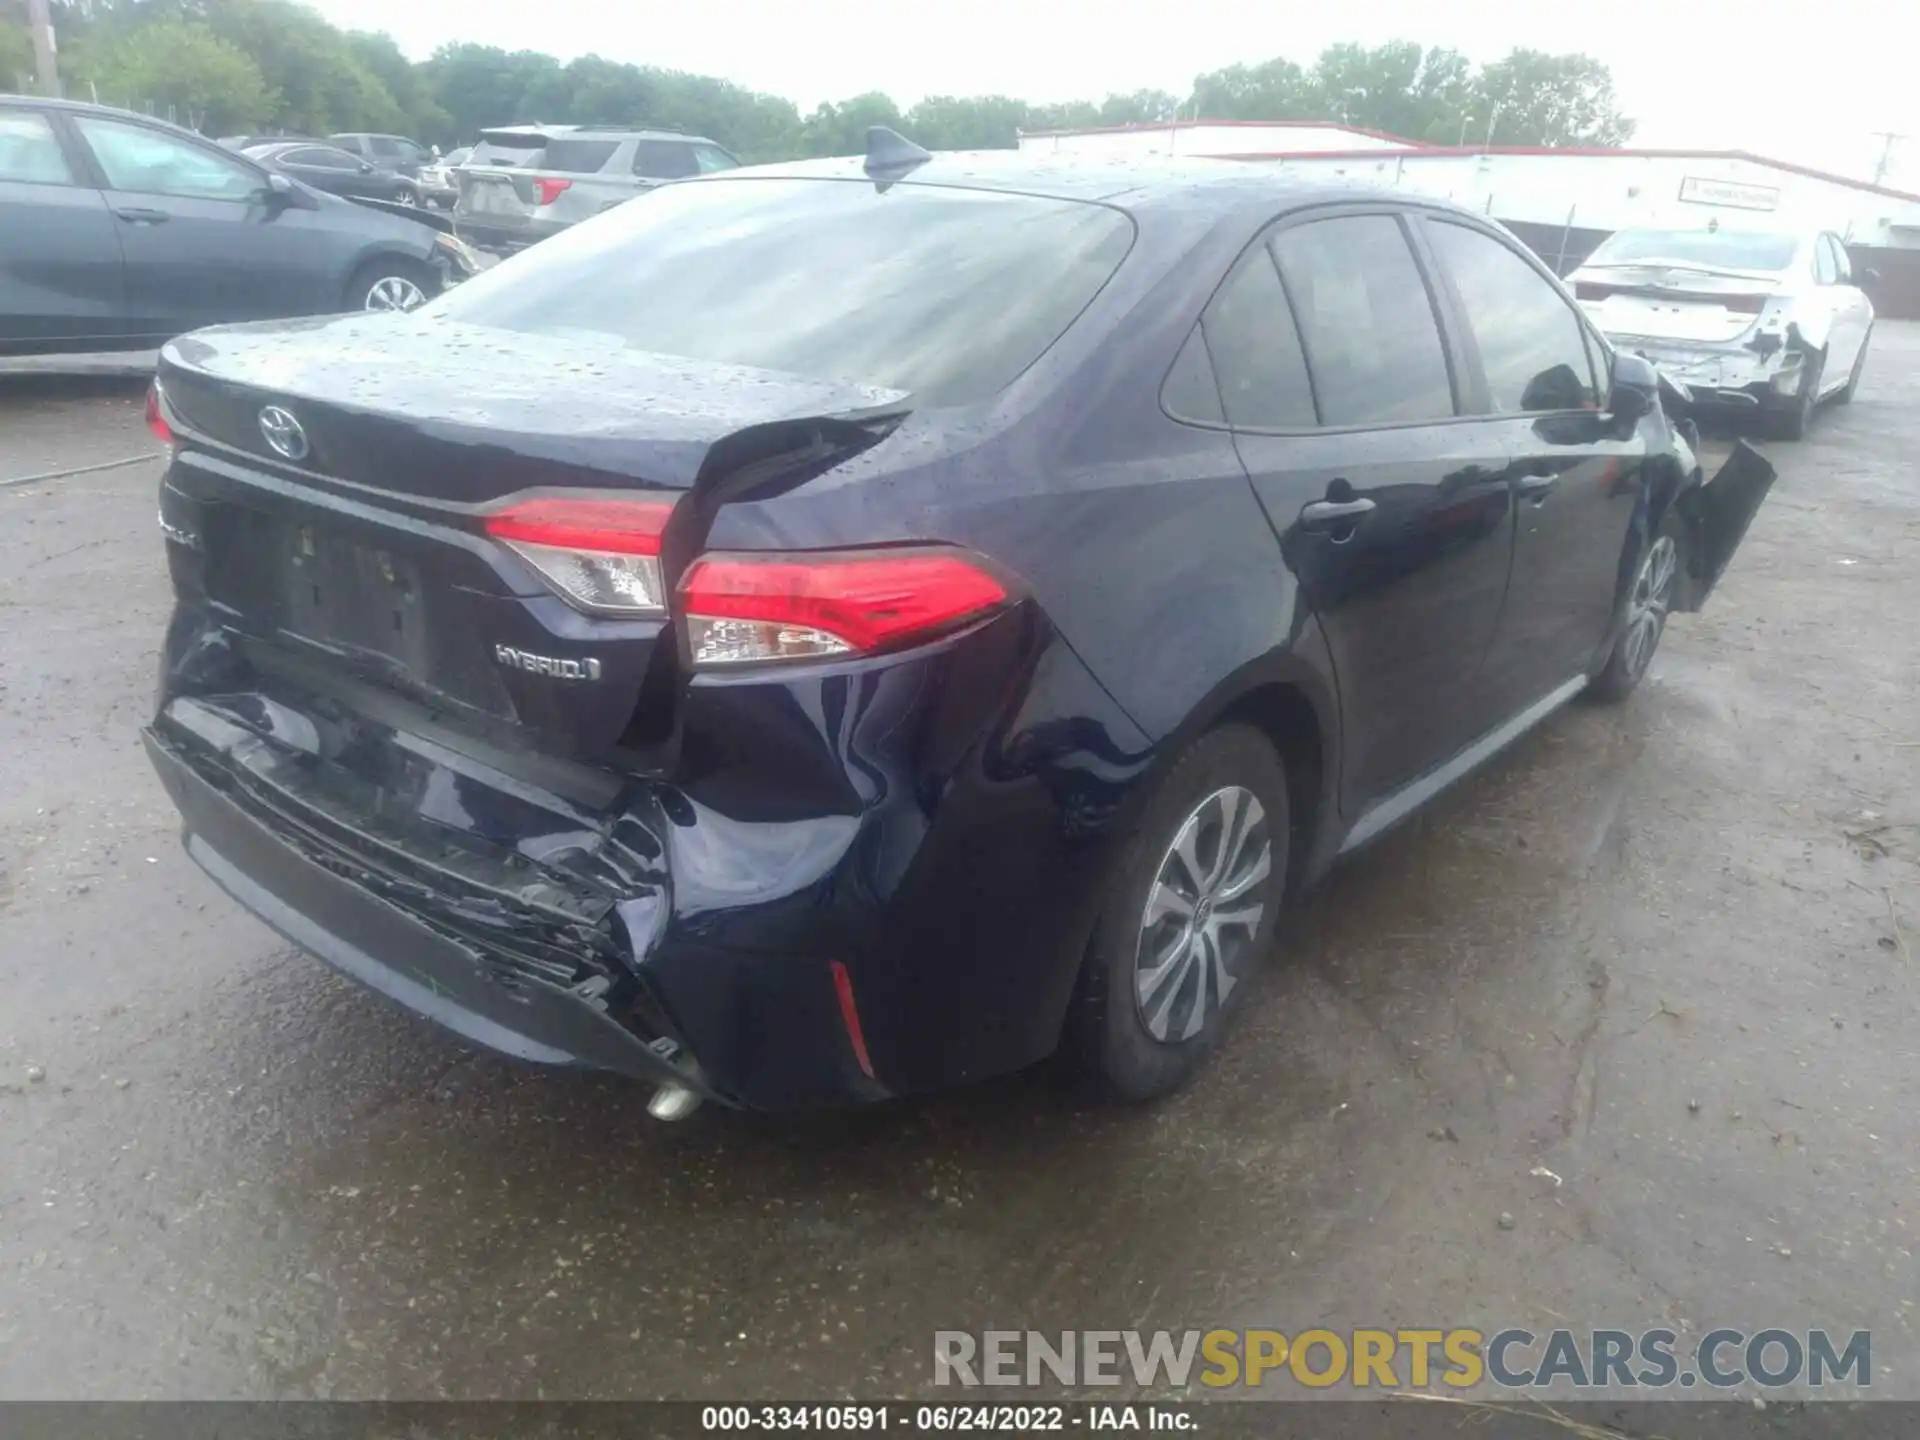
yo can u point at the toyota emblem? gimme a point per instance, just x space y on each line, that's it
284 433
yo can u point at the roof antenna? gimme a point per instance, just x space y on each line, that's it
891 153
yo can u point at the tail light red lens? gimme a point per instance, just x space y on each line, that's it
1744 304
1587 290
600 555
549 189
747 608
157 416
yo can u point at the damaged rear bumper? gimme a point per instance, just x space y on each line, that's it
1738 377
272 851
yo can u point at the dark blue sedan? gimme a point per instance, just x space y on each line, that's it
831 631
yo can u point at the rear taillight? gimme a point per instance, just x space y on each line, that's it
549 189
747 608
1744 304
1587 290
600 555
157 416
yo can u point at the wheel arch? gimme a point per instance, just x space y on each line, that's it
1291 696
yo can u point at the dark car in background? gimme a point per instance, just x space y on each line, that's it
395 153
835 632
118 232
325 167
512 195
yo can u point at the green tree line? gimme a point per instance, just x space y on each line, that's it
226 66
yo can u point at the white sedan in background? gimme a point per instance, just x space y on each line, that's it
1767 321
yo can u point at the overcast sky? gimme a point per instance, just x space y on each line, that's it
1806 83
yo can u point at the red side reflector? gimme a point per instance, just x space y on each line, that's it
850 1016
871 600
156 419
550 189
613 527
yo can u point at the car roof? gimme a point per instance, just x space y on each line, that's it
114 112
1145 183
622 132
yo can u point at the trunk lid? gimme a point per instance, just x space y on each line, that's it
363 555
1675 302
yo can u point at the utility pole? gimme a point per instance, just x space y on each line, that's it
1886 153
45 66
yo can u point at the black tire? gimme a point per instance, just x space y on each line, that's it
1792 423
405 195
1111 1037
1845 397
368 282
1630 659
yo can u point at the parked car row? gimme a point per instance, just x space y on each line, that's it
119 232
693 648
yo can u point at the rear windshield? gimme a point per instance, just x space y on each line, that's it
583 157
508 147
1726 249
946 293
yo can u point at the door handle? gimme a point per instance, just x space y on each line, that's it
139 215
1332 514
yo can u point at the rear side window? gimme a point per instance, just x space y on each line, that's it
664 159
1366 321
579 157
384 145
1532 345
1190 392
1256 351
320 158
29 151
1842 262
1824 269
946 293
711 158
508 147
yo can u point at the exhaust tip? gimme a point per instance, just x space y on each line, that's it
673 1102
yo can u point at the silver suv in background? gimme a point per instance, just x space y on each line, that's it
526 182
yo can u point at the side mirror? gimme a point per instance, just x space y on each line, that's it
435 152
283 194
365 168
1636 387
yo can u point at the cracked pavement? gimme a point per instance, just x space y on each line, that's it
1648 985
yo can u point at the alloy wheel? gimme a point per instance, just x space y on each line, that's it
395 292
1647 607
1202 914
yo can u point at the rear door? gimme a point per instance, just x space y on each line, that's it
60 269
1852 315
203 239
1392 509
1575 470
